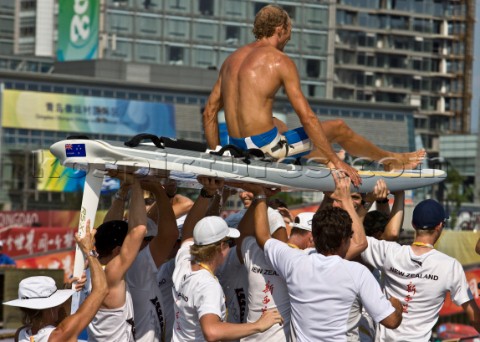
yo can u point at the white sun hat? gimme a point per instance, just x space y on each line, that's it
39 293
304 221
212 229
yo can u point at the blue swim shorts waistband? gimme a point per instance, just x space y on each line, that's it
259 140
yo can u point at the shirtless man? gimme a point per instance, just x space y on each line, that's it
248 81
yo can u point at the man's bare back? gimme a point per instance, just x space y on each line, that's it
250 80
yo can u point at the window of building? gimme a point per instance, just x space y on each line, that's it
204 58
316 16
178 6
148 25
205 31
313 68
147 52
175 55
177 29
234 8
120 23
314 43
205 7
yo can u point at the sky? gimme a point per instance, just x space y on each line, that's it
476 71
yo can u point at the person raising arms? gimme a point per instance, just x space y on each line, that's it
40 301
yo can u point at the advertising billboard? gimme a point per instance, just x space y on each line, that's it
86 114
77 30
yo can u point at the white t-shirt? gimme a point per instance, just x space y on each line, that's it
165 285
42 335
266 290
142 283
113 325
322 290
232 276
196 293
420 282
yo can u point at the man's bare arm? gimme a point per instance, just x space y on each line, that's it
473 313
70 327
162 244
310 122
395 318
343 199
210 118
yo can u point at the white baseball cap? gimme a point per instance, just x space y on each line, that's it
275 220
212 229
304 221
39 293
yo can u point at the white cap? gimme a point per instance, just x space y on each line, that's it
152 228
275 220
212 229
39 293
304 221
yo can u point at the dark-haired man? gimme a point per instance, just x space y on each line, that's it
117 243
322 285
248 81
421 276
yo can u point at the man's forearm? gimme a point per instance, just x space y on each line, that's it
211 134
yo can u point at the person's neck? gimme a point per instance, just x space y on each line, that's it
208 266
423 244
296 241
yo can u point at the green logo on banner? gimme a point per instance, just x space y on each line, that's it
77 30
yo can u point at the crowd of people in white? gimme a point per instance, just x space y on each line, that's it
171 269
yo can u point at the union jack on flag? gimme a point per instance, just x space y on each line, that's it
68 146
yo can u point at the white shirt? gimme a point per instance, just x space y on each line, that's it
196 293
165 285
266 290
113 325
41 336
322 290
420 282
232 276
142 283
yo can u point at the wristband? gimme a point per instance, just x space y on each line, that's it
117 196
205 194
382 201
260 197
93 253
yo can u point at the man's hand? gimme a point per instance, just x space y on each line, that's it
380 191
258 189
210 184
349 171
268 319
87 242
342 189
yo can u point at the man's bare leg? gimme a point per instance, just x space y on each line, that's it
337 131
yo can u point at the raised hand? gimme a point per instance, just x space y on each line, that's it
342 189
211 184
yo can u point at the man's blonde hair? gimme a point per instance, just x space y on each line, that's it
206 253
268 19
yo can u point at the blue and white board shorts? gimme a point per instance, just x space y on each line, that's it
294 143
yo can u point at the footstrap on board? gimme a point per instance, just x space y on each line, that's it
237 152
136 140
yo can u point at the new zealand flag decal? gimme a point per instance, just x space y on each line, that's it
75 150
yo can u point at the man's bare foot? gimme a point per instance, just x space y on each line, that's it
403 161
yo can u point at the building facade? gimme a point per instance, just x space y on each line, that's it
414 53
